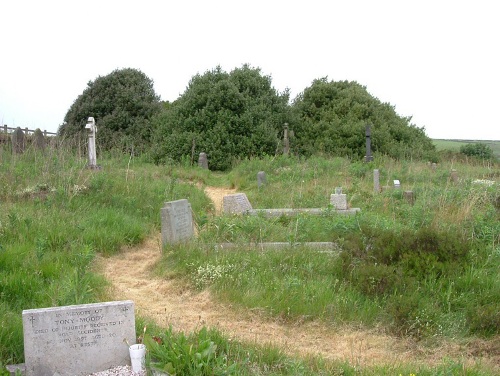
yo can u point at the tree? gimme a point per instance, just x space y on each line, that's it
479 150
122 103
229 116
330 117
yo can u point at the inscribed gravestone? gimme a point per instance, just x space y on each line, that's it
397 184
176 222
236 203
79 339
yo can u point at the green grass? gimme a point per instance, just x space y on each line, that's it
428 270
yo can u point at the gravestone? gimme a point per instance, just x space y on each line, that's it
92 129
261 179
376 181
368 133
409 197
236 203
18 141
433 166
338 199
78 339
286 141
397 184
176 222
203 161
39 140
454 176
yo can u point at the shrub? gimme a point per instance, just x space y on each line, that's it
479 150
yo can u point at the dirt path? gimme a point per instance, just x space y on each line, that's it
169 303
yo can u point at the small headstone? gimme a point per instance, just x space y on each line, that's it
376 181
236 203
397 184
78 339
433 166
454 176
18 141
39 140
338 190
92 130
176 222
338 200
286 141
261 179
409 197
203 161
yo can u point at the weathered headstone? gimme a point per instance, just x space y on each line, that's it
38 140
454 176
286 140
203 161
368 156
92 129
79 339
338 200
433 166
376 181
409 197
18 141
397 184
176 222
261 179
236 203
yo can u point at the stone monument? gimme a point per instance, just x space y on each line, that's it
203 161
39 140
261 179
236 203
18 141
286 140
338 199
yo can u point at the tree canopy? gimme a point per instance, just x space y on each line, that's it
331 117
122 104
229 116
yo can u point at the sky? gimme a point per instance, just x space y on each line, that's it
436 61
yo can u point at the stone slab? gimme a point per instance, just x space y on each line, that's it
78 339
176 222
292 212
236 203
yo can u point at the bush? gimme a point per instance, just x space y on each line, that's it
479 150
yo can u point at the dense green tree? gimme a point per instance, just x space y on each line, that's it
229 116
477 149
331 117
122 104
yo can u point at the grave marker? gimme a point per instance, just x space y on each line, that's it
397 184
203 161
286 141
454 176
261 178
18 141
338 199
92 129
39 140
236 203
176 222
78 339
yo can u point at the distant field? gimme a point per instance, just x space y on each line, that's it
454 145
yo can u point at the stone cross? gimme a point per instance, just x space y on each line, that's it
92 129
368 156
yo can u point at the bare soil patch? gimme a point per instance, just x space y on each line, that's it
169 302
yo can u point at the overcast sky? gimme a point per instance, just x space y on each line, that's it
437 61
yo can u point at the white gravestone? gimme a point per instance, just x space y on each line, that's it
92 129
397 184
78 339
176 222
236 203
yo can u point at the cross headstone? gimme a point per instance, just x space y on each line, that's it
176 222
338 199
203 161
18 141
376 181
78 339
368 157
92 130
261 179
236 203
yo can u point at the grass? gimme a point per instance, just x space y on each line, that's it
454 145
428 270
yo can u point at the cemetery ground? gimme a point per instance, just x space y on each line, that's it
413 288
